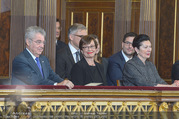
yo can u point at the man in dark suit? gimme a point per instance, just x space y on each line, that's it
69 55
117 61
30 67
59 44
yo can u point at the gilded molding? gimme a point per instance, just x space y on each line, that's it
71 18
136 0
90 0
72 109
102 29
87 21
175 34
118 103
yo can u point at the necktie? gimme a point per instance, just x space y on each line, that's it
77 56
38 64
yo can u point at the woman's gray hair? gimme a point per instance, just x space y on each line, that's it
32 31
74 28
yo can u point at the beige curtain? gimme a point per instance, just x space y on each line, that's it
5 5
47 20
25 13
147 24
122 22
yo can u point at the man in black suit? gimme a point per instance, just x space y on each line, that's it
30 67
69 55
59 44
116 62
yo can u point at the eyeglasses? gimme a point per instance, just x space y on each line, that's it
60 28
128 43
78 35
89 47
38 42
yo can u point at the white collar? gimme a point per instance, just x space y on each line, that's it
125 57
73 50
31 54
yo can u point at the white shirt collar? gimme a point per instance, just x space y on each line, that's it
73 50
31 54
125 57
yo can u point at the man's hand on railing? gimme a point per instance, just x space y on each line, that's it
67 83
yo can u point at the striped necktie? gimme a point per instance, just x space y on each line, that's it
77 56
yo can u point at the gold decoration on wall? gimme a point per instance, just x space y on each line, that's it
71 18
175 34
102 28
87 21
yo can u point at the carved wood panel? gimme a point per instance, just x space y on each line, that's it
97 16
166 38
108 36
5 42
94 23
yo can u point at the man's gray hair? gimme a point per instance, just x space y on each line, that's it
32 31
75 28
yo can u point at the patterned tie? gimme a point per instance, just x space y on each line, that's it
38 64
77 56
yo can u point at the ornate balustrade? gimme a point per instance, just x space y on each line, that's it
88 102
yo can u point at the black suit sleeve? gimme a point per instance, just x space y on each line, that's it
61 65
175 71
77 75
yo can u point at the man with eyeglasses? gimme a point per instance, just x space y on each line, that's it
117 61
70 55
30 67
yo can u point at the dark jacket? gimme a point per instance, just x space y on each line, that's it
64 62
115 67
26 72
82 75
60 45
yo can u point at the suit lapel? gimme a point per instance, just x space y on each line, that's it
122 58
101 74
70 55
31 61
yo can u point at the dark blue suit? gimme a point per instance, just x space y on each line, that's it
115 67
26 72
